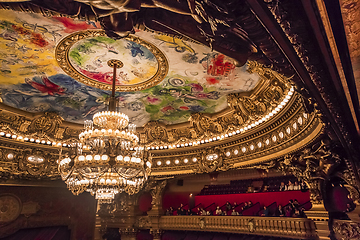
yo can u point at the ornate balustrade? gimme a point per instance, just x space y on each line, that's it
300 228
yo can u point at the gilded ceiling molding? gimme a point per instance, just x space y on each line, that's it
288 134
281 11
22 162
284 134
47 126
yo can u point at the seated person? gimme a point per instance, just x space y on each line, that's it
223 213
266 188
296 203
180 210
245 206
299 213
303 186
279 211
169 211
282 187
288 212
302 213
199 211
296 213
290 186
235 205
350 207
250 204
291 205
218 211
228 206
297 186
234 213
265 212
209 213
203 213
189 212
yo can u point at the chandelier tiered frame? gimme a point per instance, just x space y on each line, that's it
109 159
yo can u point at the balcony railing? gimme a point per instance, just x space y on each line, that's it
269 226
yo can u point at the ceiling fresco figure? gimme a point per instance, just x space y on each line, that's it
212 23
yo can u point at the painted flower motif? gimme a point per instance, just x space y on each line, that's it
196 87
152 100
167 108
184 108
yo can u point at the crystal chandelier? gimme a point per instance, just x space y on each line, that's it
107 159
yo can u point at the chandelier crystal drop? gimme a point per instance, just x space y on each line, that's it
107 159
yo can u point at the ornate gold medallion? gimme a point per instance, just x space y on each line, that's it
84 56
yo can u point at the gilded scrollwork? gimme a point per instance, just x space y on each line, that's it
28 163
346 230
155 132
156 233
47 123
156 192
211 160
12 120
286 15
47 126
143 222
313 165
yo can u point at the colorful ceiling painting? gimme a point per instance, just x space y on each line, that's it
197 80
89 58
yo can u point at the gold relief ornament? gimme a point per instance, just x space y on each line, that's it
39 163
48 123
28 164
10 208
12 120
346 230
251 225
202 223
143 222
354 194
155 131
156 193
313 165
210 160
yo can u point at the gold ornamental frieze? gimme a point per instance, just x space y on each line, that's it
285 136
21 162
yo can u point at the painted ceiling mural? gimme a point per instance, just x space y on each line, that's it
89 58
198 79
